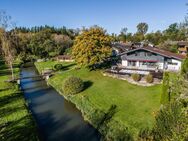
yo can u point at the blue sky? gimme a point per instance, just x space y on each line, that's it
110 14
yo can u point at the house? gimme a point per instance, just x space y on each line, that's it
149 59
64 58
183 47
119 47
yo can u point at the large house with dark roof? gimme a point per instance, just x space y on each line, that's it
146 59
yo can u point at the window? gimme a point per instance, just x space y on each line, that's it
152 64
131 63
171 63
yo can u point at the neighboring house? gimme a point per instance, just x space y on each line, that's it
119 47
142 44
64 58
146 59
183 47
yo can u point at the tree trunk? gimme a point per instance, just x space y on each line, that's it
12 71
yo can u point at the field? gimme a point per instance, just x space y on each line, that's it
136 105
16 122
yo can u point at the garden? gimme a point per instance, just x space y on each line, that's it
135 106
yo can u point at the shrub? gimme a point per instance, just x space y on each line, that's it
165 88
184 68
136 77
73 85
145 134
149 78
171 123
58 67
116 131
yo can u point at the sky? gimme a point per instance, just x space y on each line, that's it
112 15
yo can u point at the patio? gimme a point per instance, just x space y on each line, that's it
139 70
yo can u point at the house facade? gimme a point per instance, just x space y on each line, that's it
151 59
183 47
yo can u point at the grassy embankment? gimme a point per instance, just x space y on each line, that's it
136 105
16 122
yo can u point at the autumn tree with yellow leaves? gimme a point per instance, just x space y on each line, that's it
92 47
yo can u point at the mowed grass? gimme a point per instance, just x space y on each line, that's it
15 121
50 64
136 105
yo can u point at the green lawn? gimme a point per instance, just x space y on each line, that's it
15 121
49 65
135 104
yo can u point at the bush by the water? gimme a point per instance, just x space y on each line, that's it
58 67
73 85
136 77
149 78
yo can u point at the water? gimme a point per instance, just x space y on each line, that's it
57 119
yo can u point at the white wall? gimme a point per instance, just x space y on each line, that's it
174 67
137 63
160 65
124 63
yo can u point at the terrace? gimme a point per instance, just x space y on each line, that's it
142 70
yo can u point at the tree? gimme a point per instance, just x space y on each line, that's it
171 123
63 43
155 38
91 47
142 28
123 35
169 46
137 37
6 42
171 32
165 97
115 37
41 43
184 68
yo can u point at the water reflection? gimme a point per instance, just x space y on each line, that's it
57 119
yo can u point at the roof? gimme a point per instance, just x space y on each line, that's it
182 43
64 57
122 47
159 51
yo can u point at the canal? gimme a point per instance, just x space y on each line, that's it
57 119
